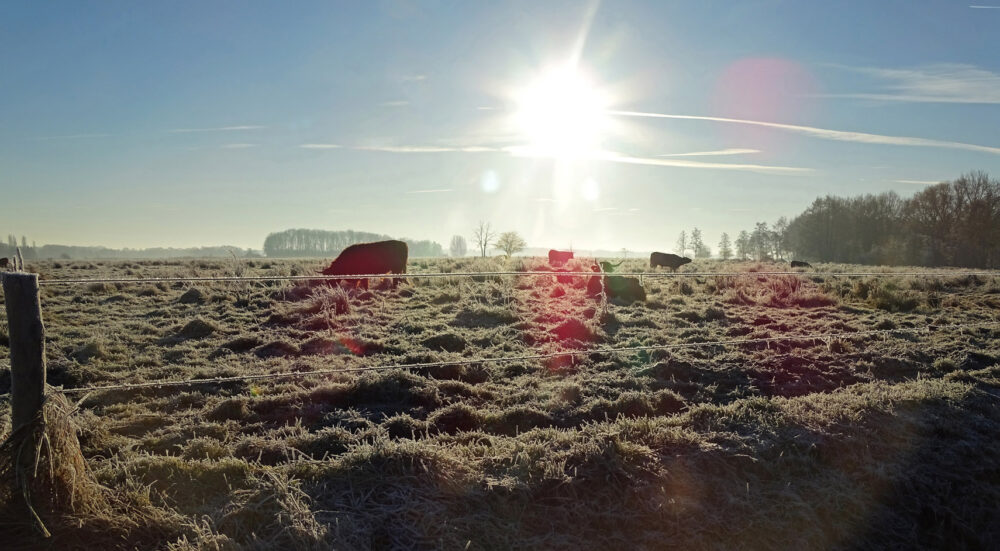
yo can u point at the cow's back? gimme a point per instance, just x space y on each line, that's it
372 258
669 260
659 259
559 257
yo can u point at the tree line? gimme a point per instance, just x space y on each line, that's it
305 242
9 249
70 252
953 223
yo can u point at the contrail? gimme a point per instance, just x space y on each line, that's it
824 133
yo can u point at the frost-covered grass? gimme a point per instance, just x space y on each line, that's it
848 442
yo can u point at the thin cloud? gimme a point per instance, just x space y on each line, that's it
611 156
826 134
430 190
606 209
397 103
935 83
919 182
425 149
414 78
239 145
762 169
985 7
521 151
216 129
71 137
320 146
733 151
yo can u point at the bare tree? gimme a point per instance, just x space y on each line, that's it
484 237
725 247
458 247
743 245
682 244
698 246
510 242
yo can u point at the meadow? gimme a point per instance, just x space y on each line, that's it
845 441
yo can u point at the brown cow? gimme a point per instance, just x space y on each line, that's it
668 260
370 258
4 263
558 258
801 264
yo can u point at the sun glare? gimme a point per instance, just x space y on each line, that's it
562 114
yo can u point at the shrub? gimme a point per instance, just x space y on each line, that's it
456 418
197 329
891 300
193 295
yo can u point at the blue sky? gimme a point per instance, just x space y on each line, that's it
196 123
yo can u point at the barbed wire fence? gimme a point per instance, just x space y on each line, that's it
651 275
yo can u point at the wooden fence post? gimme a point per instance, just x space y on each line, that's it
27 347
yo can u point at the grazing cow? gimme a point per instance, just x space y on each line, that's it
558 258
668 260
625 288
370 258
4 263
800 264
608 267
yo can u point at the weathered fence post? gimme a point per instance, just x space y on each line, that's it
27 347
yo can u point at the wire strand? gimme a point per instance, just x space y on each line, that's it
530 357
320 277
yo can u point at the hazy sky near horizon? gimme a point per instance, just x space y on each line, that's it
186 123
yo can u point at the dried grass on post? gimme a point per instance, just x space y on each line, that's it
42 471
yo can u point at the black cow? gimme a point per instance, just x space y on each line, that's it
370 258
4 263
625 288
608 267
611 286
668 260
800 264
558 258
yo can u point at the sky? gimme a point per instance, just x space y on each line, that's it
189 123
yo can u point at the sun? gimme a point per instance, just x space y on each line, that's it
562 114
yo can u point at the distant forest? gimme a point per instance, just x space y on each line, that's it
68 252
949 224
302 242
